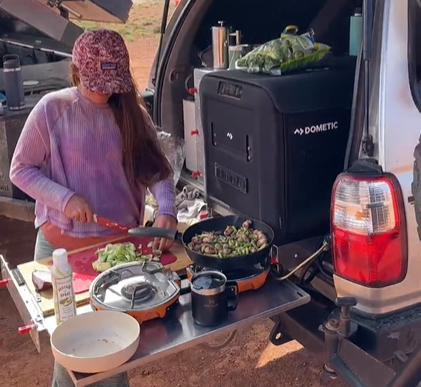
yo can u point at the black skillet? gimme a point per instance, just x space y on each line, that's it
208 225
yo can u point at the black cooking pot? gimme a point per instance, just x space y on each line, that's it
217 224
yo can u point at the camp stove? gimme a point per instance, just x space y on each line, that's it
247 279
145 290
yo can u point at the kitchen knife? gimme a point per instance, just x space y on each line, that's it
110 224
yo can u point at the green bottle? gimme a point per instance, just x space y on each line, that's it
355 32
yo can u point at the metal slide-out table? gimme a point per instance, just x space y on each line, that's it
176 332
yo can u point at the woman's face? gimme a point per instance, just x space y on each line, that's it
94 96
101 95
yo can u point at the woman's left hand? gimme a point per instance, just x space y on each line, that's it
164 221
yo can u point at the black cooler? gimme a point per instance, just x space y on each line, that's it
274 145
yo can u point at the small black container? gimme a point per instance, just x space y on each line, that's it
212 297
13 84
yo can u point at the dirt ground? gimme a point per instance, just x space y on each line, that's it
142 55
249 361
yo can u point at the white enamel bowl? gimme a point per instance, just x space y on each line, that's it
95 341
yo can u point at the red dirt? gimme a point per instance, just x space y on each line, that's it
142 55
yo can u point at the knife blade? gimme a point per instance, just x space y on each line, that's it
110 224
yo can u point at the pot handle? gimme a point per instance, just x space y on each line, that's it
233 295
155 232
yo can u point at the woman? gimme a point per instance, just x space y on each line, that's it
92 149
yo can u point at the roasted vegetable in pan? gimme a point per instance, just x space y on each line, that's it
230 243
117 253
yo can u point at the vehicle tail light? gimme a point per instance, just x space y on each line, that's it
369 242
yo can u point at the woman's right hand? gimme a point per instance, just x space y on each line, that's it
78 209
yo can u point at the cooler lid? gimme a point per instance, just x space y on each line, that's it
45 24
302 90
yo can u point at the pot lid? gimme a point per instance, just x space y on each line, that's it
47 23
139 286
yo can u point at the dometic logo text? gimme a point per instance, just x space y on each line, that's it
317 128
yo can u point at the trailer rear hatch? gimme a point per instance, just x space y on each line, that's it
49 24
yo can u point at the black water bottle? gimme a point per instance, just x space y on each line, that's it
13 85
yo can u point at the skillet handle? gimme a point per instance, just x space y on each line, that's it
155 232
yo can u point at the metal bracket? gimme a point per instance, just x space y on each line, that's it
346 360
276 336
277 268
25 303
368 145
54 3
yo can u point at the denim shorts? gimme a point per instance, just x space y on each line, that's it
61 377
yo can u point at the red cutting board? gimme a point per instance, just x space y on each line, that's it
81 262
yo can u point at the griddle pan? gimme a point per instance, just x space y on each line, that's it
213 225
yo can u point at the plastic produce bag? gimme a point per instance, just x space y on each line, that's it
289 52
174 150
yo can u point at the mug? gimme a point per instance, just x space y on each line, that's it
212 297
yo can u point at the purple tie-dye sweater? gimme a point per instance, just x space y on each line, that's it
70 145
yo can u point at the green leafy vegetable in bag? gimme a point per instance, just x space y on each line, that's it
289 52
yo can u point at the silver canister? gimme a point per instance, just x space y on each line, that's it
13 84
220 46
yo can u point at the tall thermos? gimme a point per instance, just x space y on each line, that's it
355 32
13 84
220 46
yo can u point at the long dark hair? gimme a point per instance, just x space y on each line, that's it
144 161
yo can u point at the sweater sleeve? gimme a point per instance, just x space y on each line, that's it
163 191
31 153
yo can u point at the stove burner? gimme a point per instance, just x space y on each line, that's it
241 274
137 291
251 278
114 276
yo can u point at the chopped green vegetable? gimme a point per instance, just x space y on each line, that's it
101 266
115 254
147 257
158 253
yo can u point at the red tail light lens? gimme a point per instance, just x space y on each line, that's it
368 230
